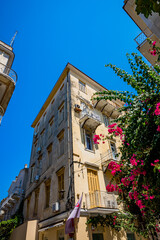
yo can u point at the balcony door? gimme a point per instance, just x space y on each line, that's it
93 185
113 151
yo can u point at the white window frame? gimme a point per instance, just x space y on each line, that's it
82 86
90 137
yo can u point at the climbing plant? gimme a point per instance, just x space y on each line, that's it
147 7
138 172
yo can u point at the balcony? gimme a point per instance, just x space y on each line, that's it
143 46
99 200
109 156
8 73
8 80
89 119
106 107
11 199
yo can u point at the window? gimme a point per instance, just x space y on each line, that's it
39 164
130 236
28 205
47 188
61 113
32 173
61 87
50 127
82 86
53 101
89 142
37 127
49 150
113 150
36 202
106 120
60 175
44 116
61 142
41 138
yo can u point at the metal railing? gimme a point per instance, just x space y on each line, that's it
141 38
90 113
108 156
9 72
100 199
14 195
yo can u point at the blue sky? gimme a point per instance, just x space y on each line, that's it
88 34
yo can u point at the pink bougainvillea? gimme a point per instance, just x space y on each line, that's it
157 110
110 187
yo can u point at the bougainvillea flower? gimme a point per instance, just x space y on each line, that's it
154 43
110 187
96 138
158 129
157 111
112 125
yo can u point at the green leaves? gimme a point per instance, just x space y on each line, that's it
146 7
139 124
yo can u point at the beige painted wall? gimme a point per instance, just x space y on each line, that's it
26 231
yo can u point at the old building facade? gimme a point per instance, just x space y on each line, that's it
16 192
66 163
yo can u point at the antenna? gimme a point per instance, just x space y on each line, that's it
12 41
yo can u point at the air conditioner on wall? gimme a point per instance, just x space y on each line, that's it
77 108
38 149
36 178
55 207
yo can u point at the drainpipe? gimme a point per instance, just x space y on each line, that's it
69 129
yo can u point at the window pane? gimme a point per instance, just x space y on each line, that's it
88 142
82 86
106 120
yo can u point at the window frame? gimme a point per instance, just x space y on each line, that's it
60 179
82 86
90 134
106 120
36 202
61 113
32 173
47 193
49 152
60 137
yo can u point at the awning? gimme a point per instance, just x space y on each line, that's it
52 226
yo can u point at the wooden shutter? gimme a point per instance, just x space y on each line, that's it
93 186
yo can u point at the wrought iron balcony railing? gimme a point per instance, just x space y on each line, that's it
8 72
100 199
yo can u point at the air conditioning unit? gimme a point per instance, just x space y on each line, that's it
38 149
55 207
35 134
36 178
77 108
